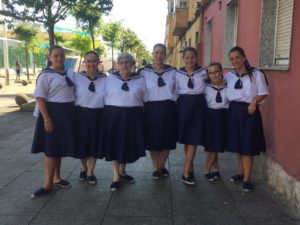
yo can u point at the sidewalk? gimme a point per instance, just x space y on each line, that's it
146 202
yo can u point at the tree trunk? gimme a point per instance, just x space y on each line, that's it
92 35
26 60
50 30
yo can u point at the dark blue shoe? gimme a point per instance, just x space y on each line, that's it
127 178
248 186
216 175
237 177
40 192
188 180
156 175
164 172
82 175
63 184
92 179
209 176
115 186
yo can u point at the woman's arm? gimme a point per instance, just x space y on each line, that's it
48 124
257 99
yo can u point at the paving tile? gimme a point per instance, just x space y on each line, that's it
137 221
75 213
139 207
82 191
15 220
206 214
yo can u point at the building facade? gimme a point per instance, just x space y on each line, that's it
269 32
182 29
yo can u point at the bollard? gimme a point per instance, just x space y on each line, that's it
21 99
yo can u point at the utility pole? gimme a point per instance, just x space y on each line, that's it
5 50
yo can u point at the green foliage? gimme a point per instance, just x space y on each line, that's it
25 33
81 43
47 12
88 14
112 32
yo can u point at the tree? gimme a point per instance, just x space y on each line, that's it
112 33
88 14
26 34
82 43
47 12
59 38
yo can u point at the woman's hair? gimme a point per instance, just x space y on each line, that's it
160 46
92 52
55 47
214 63
247 64
189 49
125 55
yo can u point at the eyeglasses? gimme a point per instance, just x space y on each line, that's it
216 73
124 62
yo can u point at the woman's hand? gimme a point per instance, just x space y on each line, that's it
252 107
49 125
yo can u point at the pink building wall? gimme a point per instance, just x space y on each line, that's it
281 110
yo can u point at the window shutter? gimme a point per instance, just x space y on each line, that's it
284 30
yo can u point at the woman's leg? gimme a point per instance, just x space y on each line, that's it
190 152
49 168
92 164
215 165
115 170
155 159
247 162
57 177
210 162
122 169
163 156
83 164
240 164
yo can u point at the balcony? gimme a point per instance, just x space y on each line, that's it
181 21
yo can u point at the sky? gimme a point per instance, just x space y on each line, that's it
147 18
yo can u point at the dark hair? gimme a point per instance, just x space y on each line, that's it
214 63
55 47
189 49
160 46
248 67
92 52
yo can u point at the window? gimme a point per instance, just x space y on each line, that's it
283 32
276 29
196 38
230 28
183 4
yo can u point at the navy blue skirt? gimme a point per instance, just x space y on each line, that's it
160 125
59 143
216 130
245 131
191 119
121 135
87 131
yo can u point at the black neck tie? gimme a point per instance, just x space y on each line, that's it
160 82
92 87
69 82
190 83
218 97
125 86
238 84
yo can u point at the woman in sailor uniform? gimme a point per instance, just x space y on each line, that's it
191 108
216 119
122 127
247 87
89 101
54 129
160 110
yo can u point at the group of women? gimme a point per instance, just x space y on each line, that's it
87 115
